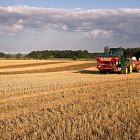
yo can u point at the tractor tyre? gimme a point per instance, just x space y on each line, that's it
126 70
130 69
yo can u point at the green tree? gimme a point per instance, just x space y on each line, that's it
18 55
74 58
8 56
51 57
2 54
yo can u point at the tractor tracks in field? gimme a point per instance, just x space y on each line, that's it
29 65
51 99
81 87
56 69
39 94
34 101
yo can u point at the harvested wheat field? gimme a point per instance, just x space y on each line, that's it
67 100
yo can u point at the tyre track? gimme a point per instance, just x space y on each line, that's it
57 69
29 65
32 102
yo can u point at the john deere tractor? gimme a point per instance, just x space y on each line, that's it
113 60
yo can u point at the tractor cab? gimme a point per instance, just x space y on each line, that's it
113 51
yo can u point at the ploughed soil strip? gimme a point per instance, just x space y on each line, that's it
28 65
57 69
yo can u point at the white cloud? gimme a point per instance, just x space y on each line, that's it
105 23
13 28
100 33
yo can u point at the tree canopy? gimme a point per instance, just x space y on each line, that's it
130 52
2 54
59 54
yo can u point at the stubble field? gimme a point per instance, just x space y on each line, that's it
70 100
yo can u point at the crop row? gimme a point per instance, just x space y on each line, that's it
54 69
29 65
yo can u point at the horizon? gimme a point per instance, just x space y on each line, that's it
73 25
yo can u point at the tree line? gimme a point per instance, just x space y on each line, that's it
129 52
50 54
18 55
61 54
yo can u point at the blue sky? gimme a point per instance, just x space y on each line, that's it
27 25
87 4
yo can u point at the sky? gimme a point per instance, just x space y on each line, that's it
28 25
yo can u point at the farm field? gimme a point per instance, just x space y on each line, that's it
70 100
44 66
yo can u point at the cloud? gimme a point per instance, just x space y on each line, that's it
100 33
13 28
94 23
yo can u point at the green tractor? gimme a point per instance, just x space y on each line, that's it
113 60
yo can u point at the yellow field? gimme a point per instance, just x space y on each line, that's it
56 100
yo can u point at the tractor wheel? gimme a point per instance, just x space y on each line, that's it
126 70
130 69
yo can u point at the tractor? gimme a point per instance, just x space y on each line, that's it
114 60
